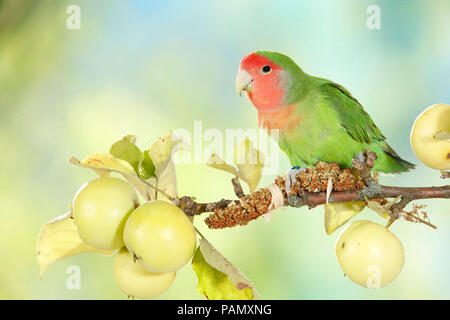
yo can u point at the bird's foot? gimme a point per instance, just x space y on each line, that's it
292 177
360 157
294 200
363 159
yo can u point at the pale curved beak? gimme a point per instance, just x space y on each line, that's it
243 81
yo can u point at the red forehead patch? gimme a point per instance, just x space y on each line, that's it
256 61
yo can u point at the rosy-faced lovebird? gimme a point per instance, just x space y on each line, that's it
317 119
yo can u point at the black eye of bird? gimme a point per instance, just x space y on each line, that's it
266 69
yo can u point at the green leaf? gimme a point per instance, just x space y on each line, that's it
59 239
127 150
146 168
218 279
337 214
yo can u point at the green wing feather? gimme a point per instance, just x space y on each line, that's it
354 119
360 127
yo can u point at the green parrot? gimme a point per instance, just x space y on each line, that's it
317 119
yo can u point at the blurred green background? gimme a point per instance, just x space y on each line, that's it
144 67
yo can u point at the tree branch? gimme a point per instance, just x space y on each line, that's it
351 184
237 187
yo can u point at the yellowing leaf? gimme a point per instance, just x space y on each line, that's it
218 279
215 285
215 161
126 149
164 174
156 167
103 163
250 162
59 239
161 152
337 214
166 182
382 210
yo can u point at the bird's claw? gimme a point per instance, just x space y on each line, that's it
291 178
360 157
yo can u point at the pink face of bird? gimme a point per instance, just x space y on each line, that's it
263 81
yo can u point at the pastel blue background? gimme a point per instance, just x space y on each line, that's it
145 67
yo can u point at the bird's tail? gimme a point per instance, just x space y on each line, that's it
390 162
